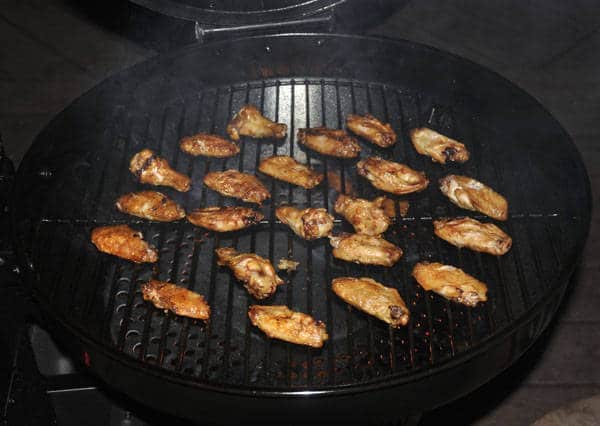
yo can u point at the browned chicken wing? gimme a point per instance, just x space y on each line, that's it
250 122
176 299
289 170
208 145
124 242
257 273
365 249
150 205
373 298
392 177
371 129
310 223
151 169
367 217
279 322
470 233
450 282
336 143
471 194
439 147
232 183
224 219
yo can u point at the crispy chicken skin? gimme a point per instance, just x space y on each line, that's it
151 169
437 146
310 223
151 205
473 195
337 143
176 299
450 282
208 145
371 129
287 169
470 233
365 249
250 122
280 322
224 219
373 298
367 217
232 183
257 273
392 177
124 242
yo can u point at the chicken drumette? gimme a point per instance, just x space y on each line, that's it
371 129
232 183
223 219
250 122
365 249
176 299
367 217
310 223
392 177
151 205
470 233
471 194
151 169
124 242
208 145
439 147
289 170
336 143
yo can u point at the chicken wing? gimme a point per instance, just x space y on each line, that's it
149 168
439 147
124 242
392 177
257 273
176 299
208 145
250 122
450 282
279 322
336 143
310 223
289 170
232 183
367 217
224 219
373 298
150 205
470 233
371 129
365 249
471 194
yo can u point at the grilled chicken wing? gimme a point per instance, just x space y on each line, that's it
371 129
149 168
392 177
367 217
470 233
289 170
257 274
310 223
279 322
336 143
232 183
124 242
373 298
250 122
176 299
439 147
471 194
208 145
150 205
365 249
450 282
224 219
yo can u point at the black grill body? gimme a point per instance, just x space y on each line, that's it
69 180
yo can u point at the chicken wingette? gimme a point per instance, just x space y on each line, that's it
310 223
473 195
437 146
333 142
224 219
287 169
365 249
176 299
232 183
367 217
392 177
124 242
470 233
151 205
208 145
371 129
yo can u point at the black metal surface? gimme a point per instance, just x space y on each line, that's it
70 178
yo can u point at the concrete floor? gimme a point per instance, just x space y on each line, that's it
51 53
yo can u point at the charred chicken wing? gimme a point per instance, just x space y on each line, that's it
367 217
149 168
450 282
124 242
280 322
257 274
289 170
310 223
336 143
365 249
232 183
371 129
471 194
224 219
439 147
250 122
392 177
150 205
176 299
470 233
208 145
